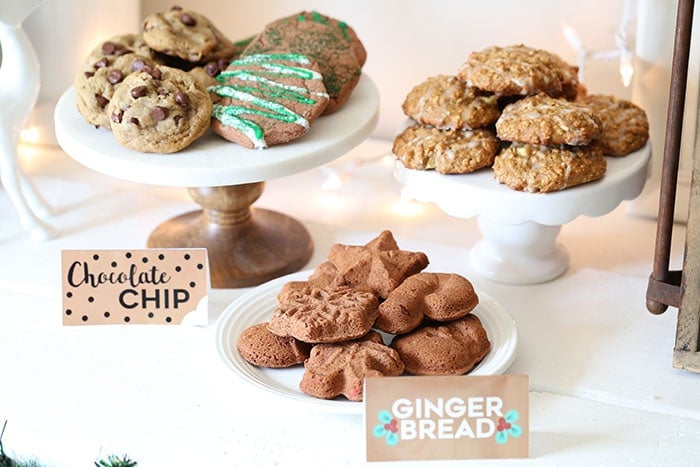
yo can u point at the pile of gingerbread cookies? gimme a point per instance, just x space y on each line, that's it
521 112
159 90
369 311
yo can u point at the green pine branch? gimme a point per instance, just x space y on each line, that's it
115 461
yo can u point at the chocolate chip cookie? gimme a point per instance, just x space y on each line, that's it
186 35
159 109
96 83
106 52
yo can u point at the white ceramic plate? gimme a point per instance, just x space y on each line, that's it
257 305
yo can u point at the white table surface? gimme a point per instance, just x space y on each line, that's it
603 391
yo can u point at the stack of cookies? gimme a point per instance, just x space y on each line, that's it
161 89
331 322
540 131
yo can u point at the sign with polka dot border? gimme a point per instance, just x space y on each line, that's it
149 286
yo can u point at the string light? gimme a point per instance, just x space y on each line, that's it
336 177
30 135
622 42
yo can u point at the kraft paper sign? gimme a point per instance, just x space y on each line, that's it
154 286
446 417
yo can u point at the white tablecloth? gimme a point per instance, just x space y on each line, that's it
603 391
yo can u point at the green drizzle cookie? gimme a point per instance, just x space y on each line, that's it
267 99
327 42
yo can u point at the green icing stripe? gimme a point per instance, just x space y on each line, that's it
262 93
344 29
226 115
316 16
262 58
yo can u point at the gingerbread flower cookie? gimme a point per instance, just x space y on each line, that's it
316 315
159 109
333 370
267 99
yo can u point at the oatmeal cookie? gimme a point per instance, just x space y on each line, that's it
159 109
545 120
452 348
532 168
445 102
267 99
447 151
624 125
519 70
314 36
339 369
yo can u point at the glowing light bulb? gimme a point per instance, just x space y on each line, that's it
30 134
626 69
333 182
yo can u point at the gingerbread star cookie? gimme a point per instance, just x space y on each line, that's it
379 266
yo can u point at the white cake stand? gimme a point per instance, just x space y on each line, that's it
246 245
520 229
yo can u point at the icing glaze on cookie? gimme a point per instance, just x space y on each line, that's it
259 88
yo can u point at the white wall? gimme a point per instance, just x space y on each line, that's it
408 40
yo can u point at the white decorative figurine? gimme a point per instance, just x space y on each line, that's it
19 89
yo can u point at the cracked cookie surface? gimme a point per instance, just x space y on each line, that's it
160 110
533 168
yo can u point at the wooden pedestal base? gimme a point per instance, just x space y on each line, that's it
246 246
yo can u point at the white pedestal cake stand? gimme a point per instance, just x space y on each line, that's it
246 245
520 229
